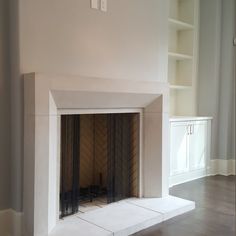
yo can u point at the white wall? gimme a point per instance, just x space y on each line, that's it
216 66
67 37
209 64
4 108
129 41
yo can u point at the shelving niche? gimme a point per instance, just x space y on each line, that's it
182 55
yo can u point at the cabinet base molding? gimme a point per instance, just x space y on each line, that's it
186 177
10 223
222 167
216 167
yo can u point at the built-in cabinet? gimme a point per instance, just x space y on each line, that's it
189 148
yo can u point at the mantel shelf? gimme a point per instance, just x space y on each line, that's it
179 25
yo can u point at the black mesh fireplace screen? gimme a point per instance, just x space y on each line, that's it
119 157
98 158
70 161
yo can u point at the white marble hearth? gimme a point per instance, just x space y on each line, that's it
123 218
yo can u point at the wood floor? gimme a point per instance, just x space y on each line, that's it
214 214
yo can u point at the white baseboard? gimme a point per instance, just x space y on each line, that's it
10 223
186 177
216 167
222 167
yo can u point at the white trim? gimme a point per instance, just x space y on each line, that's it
45 94
216 167
99 111
186 177
222 167
10 223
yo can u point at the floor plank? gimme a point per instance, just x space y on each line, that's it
214 214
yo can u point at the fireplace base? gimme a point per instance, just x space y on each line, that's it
125 217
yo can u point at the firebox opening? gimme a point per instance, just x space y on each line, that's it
99 159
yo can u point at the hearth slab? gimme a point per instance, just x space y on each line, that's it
87 207
169 206
73 226
122 218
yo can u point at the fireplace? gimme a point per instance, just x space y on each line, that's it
48 99
99 159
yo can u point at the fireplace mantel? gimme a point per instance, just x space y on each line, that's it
46 97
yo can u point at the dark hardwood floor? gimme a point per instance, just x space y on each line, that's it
214 214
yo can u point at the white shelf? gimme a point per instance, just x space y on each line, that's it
179 25
180 87
179 56
190 118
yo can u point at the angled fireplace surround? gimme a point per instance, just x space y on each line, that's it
47 97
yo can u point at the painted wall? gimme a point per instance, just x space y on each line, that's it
16 110
4 108
68 37
216 73
226 107
209 64
129 41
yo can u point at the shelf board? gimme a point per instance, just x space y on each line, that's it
179 56
180 87
179 25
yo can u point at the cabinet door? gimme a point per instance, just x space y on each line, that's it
198 145
179 148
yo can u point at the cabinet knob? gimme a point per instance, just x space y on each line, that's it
187 129
190 129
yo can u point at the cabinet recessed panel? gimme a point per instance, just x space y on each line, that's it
198 146
179 149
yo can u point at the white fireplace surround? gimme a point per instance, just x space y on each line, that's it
46 97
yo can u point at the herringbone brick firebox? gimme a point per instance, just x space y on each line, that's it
99 159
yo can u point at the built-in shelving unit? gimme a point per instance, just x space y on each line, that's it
182 55
189 135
